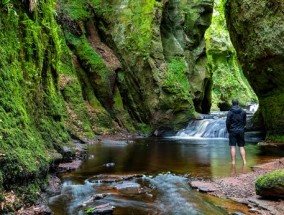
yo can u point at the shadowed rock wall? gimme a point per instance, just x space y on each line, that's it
256 30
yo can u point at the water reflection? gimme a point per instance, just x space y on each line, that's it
163 162
197 157
242 170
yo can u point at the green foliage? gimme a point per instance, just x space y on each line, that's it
5 2
102 8
99 76
94 78
77 10
31 191
143 128
273 138
89 211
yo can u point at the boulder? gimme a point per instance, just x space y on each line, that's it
271 184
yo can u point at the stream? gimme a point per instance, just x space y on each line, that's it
150 175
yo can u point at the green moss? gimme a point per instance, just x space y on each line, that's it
272 112
87 54
176 81
121 115
95 68
269 180
31 107
143 128
101 120
80 124
133 26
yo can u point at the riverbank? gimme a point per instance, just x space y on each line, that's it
241 188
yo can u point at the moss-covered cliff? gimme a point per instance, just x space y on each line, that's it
32 112
152 54
228 79
256 31
74 69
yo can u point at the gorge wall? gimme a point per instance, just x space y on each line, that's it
227 76
150 57
78 68
256 30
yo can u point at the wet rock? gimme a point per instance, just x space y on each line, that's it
128 187
237 213
109 164
99 196
55 159
35 210
113 178
54 186
68 153
114 142
94 197
105 209
203 186
63 167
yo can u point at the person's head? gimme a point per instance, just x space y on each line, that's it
235 102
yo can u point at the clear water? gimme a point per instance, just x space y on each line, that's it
163 189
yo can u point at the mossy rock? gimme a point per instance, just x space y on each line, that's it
271 184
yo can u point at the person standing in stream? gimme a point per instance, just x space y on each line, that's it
235 124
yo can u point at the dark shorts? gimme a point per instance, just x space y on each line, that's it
237 138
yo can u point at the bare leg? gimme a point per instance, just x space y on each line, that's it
243 154
233 154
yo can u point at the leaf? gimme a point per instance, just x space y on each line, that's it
4 2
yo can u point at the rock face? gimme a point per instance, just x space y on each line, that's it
256 31
149 56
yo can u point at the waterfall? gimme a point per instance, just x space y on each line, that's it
206 128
